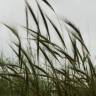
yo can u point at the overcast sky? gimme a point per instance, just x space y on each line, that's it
81 12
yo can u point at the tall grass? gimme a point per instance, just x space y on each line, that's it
49 69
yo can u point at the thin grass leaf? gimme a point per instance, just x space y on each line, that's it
51 51
80 71
92 69
73 42
54 72
74 28
58 32
27 21
14 31
37 24
32 13
48 4
82 43
46 41
28 58
44 20
43 37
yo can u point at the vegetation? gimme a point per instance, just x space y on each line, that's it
45 67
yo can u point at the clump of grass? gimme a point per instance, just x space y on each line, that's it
49 69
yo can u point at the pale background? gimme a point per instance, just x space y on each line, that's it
81 12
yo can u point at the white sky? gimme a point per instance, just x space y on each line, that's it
81 12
